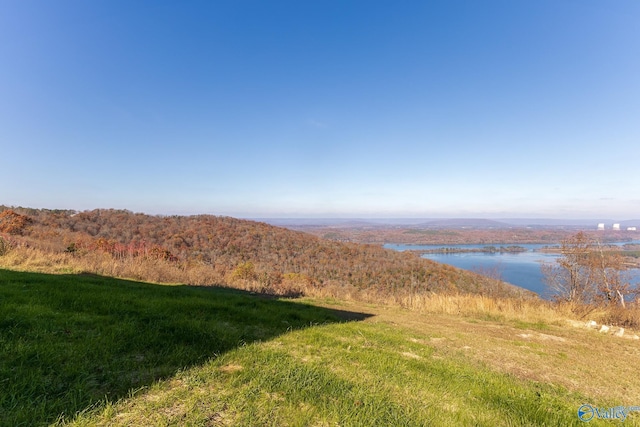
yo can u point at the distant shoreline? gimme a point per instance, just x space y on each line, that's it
486 249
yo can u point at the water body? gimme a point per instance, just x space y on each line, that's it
521 268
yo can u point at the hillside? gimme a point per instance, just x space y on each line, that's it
208 250
452 233
85 350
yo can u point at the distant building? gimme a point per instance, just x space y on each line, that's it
616 226
601 226
631 229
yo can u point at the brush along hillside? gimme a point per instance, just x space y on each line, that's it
208 250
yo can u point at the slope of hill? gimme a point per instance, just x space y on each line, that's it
86 350
232 250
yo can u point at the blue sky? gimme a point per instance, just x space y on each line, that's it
322 108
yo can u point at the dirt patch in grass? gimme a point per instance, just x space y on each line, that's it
231 368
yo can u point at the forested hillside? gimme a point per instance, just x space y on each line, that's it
427 235
234 250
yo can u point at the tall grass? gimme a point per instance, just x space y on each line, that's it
147 269
479 305
527 310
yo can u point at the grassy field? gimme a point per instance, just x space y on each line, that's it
87 350
68 342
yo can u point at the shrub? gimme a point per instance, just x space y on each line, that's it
4 246
245 271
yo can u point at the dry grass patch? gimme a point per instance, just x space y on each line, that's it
230 368
523 343
529 309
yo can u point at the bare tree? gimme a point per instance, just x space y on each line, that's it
584 273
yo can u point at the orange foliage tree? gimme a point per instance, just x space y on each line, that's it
12 222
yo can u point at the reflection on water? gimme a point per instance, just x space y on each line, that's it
520 268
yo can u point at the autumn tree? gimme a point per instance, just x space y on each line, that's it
12 222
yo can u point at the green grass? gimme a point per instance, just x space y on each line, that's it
349 375
69 341
540 326
85 351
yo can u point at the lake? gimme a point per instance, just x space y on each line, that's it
520 268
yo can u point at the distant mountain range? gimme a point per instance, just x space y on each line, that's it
476 223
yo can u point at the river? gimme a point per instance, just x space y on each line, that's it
518 268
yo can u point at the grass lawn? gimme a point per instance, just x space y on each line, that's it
71 341
84 350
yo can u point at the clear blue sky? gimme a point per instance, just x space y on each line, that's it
508 108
